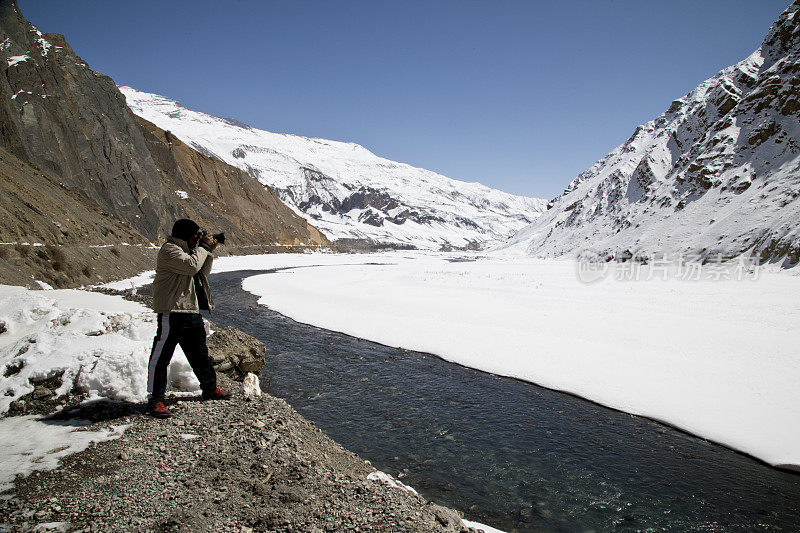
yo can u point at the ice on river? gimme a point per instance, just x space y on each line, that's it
718 358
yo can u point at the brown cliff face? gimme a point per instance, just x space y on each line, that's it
79 170
58 236
62 117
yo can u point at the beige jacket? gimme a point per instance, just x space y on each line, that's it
173 286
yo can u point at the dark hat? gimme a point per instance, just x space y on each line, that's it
185 229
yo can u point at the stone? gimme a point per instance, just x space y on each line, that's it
41 393
16 407
251 364
237 352
251 386
448 518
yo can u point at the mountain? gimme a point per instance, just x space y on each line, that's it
81 172
220 196
344 189
717 173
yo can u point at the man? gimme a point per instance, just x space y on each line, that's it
180 291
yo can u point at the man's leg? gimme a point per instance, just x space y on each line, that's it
193 343
161 354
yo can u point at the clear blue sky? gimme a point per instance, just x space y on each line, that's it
519 95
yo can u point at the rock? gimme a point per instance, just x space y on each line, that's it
251 364
251 386
236 353
40 393
16 407
446 517
224 366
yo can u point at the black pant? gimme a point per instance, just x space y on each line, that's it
186 329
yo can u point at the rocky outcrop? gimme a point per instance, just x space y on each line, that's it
72 123
236 353
716 175
59 237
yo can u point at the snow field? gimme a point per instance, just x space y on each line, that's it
718 359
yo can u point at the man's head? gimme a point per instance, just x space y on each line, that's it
186 229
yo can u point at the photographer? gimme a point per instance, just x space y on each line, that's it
180 291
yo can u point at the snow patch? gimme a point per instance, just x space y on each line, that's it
13 60
45 286
43 43
145 278
95 343
251 386
28 444
387 479
480 527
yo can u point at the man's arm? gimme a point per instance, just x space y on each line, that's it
208 243
177 261
206 268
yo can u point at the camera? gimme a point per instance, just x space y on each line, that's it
219 237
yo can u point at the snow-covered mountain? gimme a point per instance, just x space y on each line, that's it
717 173
344 189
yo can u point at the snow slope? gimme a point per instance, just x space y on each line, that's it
344 189
98 344
717 173
710 356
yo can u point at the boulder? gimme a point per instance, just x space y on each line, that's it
236 353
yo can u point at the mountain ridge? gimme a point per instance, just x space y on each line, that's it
716 175
345 189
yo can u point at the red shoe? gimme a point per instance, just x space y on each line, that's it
157 409
216 394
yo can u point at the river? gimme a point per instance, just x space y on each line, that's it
508 453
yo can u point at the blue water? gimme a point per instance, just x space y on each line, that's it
508 453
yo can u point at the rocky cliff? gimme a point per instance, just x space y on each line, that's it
717 174
88 185
58 236
71 122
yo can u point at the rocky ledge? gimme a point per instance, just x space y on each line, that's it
246 464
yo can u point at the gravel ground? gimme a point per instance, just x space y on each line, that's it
246 464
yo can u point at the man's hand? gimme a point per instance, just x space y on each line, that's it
209 242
